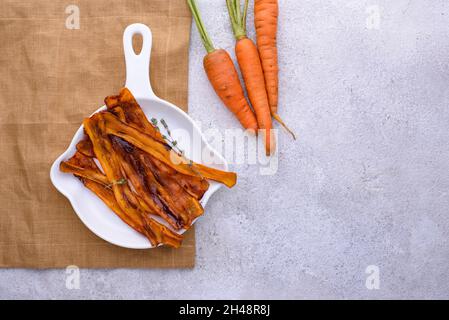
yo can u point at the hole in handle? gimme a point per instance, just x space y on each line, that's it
137 42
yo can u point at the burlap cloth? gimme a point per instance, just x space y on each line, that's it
51 78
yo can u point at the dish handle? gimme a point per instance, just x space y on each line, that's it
138 65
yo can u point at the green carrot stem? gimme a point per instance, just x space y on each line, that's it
245 10
207 42
237 10
238 21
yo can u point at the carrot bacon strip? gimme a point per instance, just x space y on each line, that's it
119 113
144 185
126 108
134 221
89 178
162 152
194 186
153 230
107 196
83 166
111 165
132 113
85 147
185 189
83 172
184 201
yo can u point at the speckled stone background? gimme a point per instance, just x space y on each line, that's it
365 184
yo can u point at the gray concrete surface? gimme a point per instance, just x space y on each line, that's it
365 184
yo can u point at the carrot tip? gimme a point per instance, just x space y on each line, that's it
278 119
270 142
252 132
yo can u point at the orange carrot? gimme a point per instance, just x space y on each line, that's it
266 20
249 62
223 76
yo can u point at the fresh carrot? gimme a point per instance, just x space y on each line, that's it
266 20
249 62
223 76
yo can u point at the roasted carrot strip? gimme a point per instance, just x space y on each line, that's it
89 178
163 152
82 172
170 186
83 166
184 201
132 113
119 113
194 186
111 166
107 196
134 221
126 108
147 190
85 147
180 212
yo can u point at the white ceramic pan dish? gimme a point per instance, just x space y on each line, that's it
90 209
